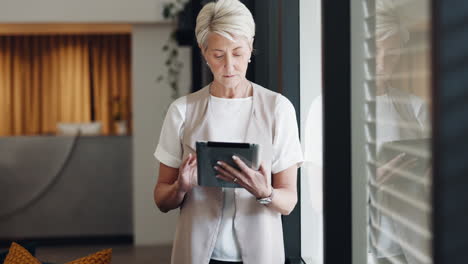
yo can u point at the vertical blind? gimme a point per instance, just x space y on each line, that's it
397 130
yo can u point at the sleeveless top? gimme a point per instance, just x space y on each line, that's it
258 228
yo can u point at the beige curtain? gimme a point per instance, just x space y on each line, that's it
43 80
64 78
111 80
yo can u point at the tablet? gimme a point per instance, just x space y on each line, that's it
209 153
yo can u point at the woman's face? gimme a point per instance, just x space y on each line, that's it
388 55
227 60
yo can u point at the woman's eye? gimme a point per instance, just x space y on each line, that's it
237 55
218 56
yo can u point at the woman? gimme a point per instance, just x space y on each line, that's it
400 115
226 225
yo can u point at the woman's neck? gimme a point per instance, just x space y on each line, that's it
242 90
382 88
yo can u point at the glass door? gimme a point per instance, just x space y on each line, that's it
392 110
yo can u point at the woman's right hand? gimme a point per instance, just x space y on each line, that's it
394 167
187 174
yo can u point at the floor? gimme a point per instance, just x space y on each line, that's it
121 254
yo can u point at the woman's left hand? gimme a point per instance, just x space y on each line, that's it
256 182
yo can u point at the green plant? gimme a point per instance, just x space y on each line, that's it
117 108
171 11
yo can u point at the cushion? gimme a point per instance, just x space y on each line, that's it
68 129
19 255
84 129
101 257
30 247
90 129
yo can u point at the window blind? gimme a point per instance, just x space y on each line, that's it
397 131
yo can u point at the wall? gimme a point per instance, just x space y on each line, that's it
311 123
150 99
83 11
150 103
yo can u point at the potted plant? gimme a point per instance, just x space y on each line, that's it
120 125
172 11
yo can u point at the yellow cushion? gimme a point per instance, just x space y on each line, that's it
101 257
19 255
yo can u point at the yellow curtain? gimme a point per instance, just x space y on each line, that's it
44 80
6 113
63 78
111 80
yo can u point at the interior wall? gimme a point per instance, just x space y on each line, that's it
150 99
150 102
311 124
83 11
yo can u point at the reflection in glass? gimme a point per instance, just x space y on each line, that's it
399 206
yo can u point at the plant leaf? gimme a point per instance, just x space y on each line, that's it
166 11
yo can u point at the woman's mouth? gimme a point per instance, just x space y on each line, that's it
228 76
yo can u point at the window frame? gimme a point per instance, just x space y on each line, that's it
336 61
449 53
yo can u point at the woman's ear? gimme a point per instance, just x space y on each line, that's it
203 54
202 49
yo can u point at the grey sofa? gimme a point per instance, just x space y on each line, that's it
59 187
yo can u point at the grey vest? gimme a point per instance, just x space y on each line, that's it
258 228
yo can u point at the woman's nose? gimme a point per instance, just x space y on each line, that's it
228 63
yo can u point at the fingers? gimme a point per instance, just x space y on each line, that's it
410 163
194 176
193 162
228 176
190 160
405 165
247 178
241 164
398 163
188 170
393 162
398 170
247 171
224 178
262 169
187 160
230 170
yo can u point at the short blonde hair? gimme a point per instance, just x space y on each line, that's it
389 22
226 18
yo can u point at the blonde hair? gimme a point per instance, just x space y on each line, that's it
226 18
389 22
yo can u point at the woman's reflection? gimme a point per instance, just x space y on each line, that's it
398 193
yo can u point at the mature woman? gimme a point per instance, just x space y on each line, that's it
400 116
226 225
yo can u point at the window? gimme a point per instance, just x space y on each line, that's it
311 132
392 127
